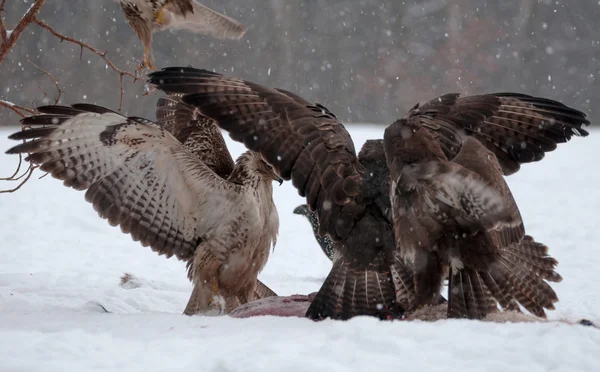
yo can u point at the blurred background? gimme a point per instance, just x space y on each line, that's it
366 60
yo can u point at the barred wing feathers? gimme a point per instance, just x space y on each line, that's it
136 175
305 143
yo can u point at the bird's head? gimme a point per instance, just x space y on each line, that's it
263 168
302 210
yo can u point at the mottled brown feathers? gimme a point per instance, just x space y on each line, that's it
197 133
460 213
517 128
467 145
304 143
159 190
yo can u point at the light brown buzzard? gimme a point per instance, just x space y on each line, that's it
147 16
159 190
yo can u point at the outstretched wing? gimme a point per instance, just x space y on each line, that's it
304 143
136 174
203 20
517 128
198 134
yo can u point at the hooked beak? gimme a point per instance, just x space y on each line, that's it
299 209
279 179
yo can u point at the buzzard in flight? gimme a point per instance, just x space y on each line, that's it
147 16
217 216
351 193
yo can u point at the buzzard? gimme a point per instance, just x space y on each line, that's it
203 138
458 218
147 16
158 189
307 144
324 241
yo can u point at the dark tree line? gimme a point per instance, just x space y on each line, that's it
366 60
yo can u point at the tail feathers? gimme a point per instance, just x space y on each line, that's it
530 290
349 292
403 278
468 296
501 292
262 291
327 302
533 256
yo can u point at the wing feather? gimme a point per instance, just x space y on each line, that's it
136 175
517 128
198 134
203 20
304 143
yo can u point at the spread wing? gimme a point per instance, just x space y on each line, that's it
203 20
198 134
517 128
303 142
136 174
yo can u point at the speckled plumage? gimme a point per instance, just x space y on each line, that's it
324 242
140 177
350 192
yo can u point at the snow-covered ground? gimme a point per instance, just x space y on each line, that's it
59 262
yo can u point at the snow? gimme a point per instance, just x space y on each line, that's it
60 267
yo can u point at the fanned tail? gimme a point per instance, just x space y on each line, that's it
469 297
349 292
525 268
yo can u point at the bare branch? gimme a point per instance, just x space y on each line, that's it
28 174
20 110
8 42
14 175
29 17
3 36
45 72
82 45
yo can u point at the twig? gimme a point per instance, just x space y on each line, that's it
29 17
45 72
29 172
12 178
16 108
2 25
8 42
102 55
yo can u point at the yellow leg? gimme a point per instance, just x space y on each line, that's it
215 293
146 62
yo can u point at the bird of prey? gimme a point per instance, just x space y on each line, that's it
147 16
203 138
458 218
324 241
350 192
142 178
